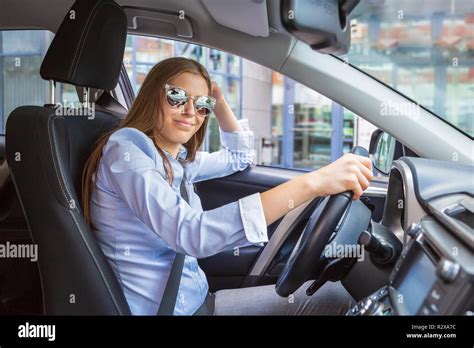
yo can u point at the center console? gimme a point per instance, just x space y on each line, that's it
434 275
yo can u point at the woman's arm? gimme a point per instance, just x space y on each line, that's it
237 141
350 172
224 114
238 153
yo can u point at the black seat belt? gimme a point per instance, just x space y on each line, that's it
168 301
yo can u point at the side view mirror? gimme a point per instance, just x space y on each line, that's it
382 150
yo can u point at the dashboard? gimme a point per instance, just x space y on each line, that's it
430 209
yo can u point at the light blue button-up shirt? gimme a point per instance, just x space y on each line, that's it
141 221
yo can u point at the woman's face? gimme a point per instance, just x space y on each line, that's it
180 123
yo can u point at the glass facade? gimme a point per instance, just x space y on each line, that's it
21 53
308 129
312 130
424 49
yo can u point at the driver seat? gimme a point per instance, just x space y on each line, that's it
46 153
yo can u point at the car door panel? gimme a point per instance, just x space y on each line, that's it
229 269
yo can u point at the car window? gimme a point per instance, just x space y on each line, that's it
317 130
422 49
21 54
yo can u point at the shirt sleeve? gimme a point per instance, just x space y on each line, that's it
130 170
238 153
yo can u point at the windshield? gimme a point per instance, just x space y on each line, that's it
424 49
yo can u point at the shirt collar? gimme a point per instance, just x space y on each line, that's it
182 153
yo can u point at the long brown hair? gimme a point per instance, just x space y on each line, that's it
146 114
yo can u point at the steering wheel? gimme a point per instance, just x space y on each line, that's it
306 256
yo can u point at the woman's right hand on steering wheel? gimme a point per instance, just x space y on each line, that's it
348 173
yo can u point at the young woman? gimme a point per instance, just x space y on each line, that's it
132 199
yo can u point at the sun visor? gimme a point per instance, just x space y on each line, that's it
247 16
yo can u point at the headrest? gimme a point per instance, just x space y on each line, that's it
88 47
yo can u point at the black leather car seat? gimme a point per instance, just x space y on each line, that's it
46 153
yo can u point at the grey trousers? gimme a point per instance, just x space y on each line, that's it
330 299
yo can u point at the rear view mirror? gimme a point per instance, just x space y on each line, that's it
382 149
324 25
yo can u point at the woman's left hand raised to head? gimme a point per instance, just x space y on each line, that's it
217 93
223 112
